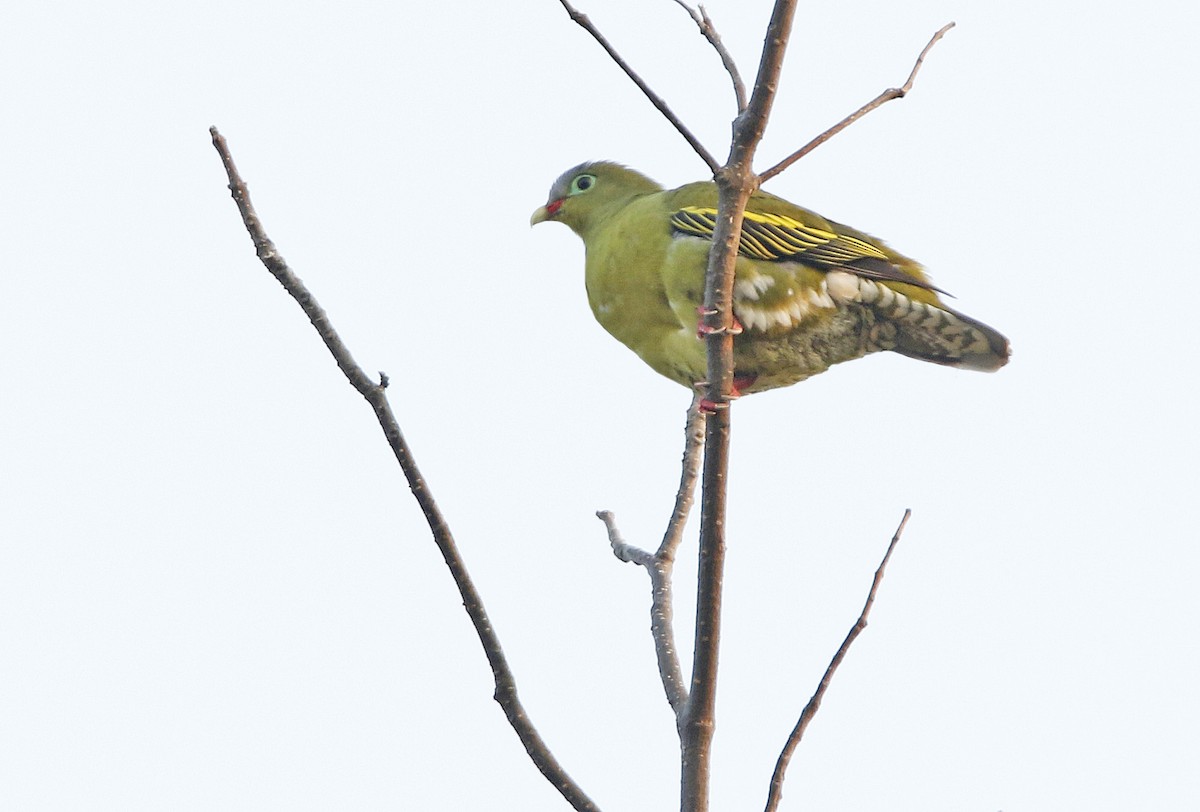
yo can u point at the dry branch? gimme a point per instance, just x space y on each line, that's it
775 794
878 101
376 395
660 564
735 181
705 24
661 626
582 20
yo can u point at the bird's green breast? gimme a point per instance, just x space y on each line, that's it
626 290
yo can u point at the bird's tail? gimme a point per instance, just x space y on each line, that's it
933 332
944 336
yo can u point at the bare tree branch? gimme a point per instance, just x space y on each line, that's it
735 181
878 101
705 24
775 794
375 394
690 472
660 565
661 626
583 21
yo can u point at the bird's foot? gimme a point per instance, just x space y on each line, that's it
740 382
703 330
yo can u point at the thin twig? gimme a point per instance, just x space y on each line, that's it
375 394
705 24
775 794
690 472
660 565
583 21
661 627
878 101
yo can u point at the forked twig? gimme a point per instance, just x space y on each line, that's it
705 24
775 794
582 20
878 101
661 626
376 395
660 565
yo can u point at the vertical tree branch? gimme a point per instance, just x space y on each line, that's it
735 181
376 396
775 794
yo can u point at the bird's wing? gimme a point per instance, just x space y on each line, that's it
786 273
780 238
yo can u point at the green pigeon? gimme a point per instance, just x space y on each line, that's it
808 292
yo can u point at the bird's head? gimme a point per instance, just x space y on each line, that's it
585 195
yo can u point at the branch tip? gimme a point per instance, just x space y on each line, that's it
582 20
878 101
700 16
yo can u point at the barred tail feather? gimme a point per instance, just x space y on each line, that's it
950 338
923 330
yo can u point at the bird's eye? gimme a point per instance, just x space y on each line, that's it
582 183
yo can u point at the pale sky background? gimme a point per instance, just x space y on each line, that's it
217 593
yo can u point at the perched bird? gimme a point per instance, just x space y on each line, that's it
808 292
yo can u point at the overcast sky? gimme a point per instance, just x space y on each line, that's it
217 593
